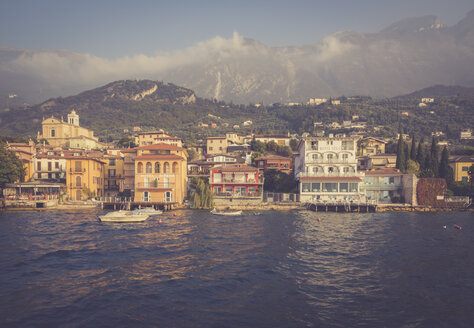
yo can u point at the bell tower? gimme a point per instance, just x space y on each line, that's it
73 118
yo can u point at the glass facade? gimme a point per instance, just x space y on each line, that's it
341 187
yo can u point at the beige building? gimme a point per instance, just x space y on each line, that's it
68 134
160 173
154 137
216 145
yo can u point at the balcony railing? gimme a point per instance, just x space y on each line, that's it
237 195
236 181
78 171
334 174
155 185
331 161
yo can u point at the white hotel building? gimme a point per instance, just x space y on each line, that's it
326 168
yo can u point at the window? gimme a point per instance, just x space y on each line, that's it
343 187
78 166
354 187
306 187
50 166
78 181
166 182
174 169
149 168
252 189
391 180
210 148
315 186
53 133
166 167
330 157
465 168
38 166
330 186
157 167
112 162
56 165
228 189
315 156
345 170
139 167
345 157
315 170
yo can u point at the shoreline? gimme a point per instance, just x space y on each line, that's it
268 207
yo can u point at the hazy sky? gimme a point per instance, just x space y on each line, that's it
119 28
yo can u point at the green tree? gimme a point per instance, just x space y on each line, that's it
419 155
284 150
126 142
294 144
401 157
445 171
202 195
191 154
11 167
434 157
413 167
276 181
258 146
272 146
413 149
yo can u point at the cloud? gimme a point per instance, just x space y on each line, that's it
61 67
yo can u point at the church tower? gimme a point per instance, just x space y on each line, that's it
73 118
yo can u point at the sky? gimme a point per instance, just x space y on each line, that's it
115 29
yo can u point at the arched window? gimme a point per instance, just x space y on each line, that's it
175 167
78 181
157 167
166 167
140 167
149 168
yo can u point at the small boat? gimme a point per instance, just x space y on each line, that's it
235 213
148 210
123 216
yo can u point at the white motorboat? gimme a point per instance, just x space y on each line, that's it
235 213
148 210
123 216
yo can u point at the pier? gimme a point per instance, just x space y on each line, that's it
113 203
342 207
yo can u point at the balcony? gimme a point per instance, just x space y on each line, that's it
256 194
334 174
77 171
381 186
155 185
331 161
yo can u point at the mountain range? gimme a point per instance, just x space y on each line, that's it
408 55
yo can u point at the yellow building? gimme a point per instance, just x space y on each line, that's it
371 146
84 177
113 174
153 137
160 173
460 166
68 134
24 151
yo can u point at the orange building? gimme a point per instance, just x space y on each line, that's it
160 173
84 177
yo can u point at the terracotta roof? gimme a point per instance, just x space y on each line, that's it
386 171
235 169
330 179
128 150
160 146
159 157
272 136
269 157
463 159
215 137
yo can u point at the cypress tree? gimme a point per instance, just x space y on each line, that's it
445 170
419 155
413 149
434 157
401 158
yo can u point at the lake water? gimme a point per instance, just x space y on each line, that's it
277 269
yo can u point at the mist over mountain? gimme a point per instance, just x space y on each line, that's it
405 56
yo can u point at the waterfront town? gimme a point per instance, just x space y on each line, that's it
335 172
